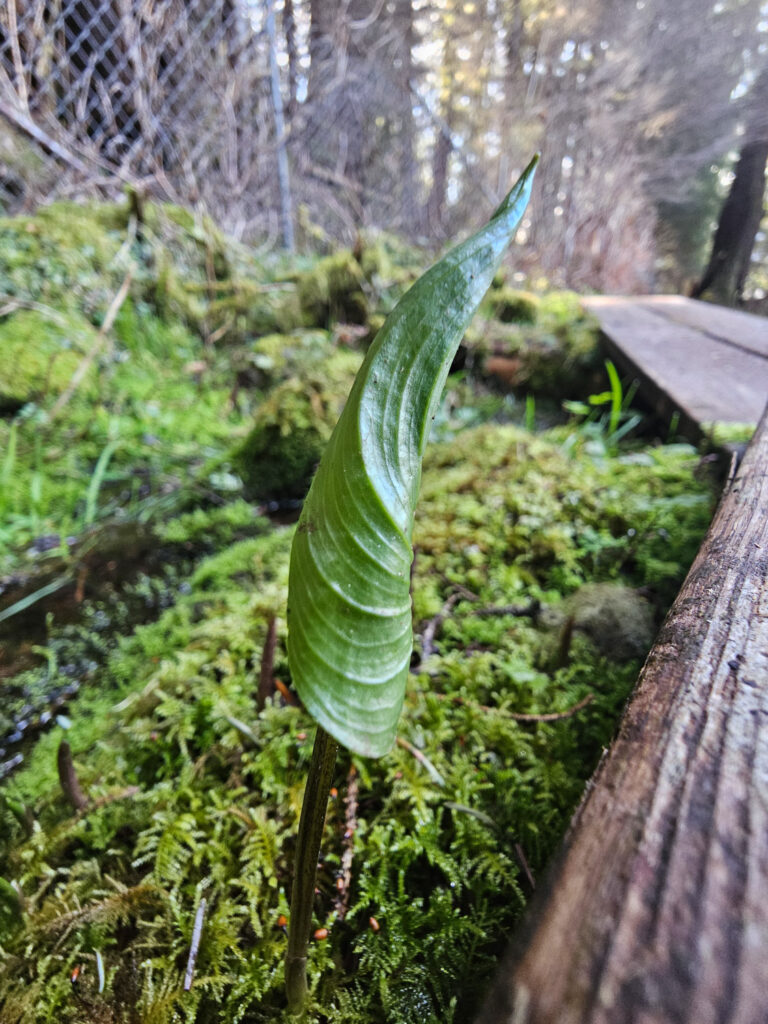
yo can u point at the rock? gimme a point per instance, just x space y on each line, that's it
618 621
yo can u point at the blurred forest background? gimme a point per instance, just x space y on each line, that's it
294 123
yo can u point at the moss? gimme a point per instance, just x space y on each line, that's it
511 306
723 434
40 355
64 256
511 516
141 332
274 358
618 620
557 357
333 291
215 527
278 457
386 260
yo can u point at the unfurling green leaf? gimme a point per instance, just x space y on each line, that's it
349 608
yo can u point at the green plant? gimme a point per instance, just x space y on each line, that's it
609 427
349 611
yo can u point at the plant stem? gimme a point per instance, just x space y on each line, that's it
305 867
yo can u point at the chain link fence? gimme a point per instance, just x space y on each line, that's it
168 97
183 100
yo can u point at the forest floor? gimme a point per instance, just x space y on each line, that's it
164 397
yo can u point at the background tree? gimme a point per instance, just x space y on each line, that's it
729 264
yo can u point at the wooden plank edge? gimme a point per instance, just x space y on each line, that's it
655 911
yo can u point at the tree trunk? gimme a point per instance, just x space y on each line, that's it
742 211
726 274
411 212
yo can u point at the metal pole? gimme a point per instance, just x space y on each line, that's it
283 178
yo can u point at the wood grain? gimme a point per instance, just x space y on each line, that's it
657 911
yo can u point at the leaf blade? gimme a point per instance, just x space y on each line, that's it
349 613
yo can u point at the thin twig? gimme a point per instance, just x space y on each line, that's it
563 653
89 357
13 302
344 881
431 628
550 716
422 758
266 671
68 778
197 931
524 865
28 126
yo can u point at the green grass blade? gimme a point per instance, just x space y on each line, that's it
9 464
96 481
617 397
349 609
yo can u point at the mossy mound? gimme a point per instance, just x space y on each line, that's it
274 358
277 459
511 306
333 290
618 620
556 357
196 794
39 356
65 256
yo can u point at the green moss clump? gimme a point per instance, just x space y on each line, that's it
64 256
274 358
556 357
280 454
512 306
333 291
278 458
40 355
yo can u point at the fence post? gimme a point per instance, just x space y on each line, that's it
283 178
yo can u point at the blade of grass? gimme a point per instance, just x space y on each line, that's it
96 481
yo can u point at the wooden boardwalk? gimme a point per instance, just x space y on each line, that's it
703 363
656 910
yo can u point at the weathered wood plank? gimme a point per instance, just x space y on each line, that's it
682 369
657 912
731 326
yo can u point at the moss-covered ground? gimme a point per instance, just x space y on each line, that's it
144 537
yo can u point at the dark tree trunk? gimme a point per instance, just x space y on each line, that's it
742 211
726 274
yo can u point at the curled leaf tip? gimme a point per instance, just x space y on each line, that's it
349 618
